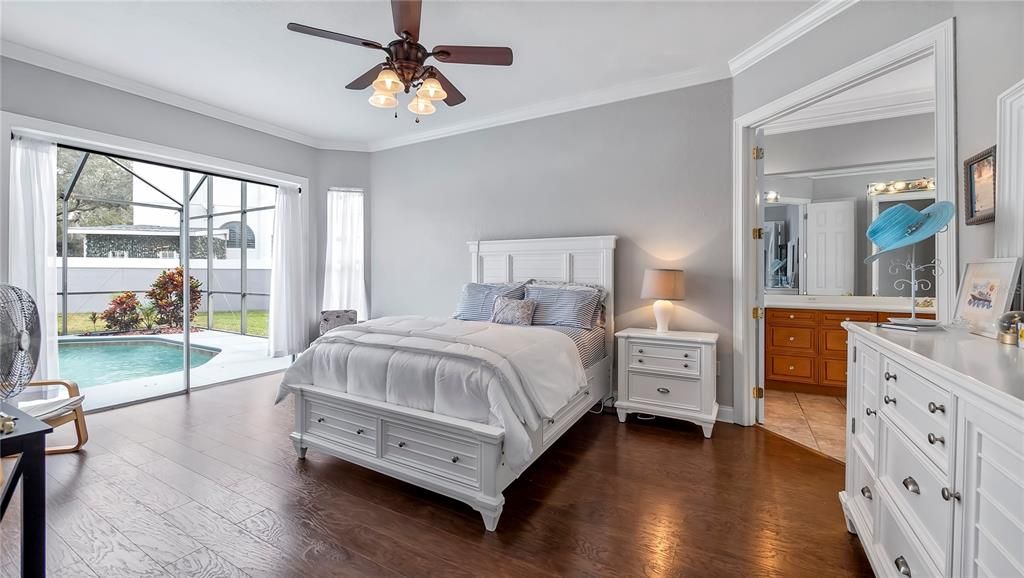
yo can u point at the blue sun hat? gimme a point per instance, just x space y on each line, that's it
902 225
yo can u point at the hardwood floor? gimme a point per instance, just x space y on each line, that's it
209 486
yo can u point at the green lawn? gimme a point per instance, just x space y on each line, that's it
224 320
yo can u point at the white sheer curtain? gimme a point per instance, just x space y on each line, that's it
344 273
289 320
32 238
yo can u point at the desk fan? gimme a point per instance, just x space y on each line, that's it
19 344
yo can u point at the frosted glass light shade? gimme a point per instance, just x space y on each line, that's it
388 81
431 90
381 99
421 106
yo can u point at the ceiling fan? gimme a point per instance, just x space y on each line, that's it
404 68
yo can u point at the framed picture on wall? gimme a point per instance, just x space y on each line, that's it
986 290
980 187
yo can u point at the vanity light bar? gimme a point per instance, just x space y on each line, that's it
893 187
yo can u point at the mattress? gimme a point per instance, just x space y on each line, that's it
589 342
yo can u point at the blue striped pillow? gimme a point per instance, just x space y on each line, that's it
477 302
571 308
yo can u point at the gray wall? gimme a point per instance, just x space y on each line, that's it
655 171
990 59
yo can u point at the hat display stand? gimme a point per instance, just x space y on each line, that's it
915 283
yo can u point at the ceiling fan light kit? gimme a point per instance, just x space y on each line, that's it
404 68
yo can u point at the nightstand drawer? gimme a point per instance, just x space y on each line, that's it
671 352
667 391
682 366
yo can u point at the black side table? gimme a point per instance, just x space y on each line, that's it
28 439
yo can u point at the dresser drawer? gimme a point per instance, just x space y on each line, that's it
898 547
792 368
352 429
792 317
834 342
796 339
835 319
864 492
683 366
919 408
667 351
449 457
667 391
866 388
915 485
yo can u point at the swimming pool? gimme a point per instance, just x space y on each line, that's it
91 362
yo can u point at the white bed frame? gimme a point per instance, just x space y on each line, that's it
462 459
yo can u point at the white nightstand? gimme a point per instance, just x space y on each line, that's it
670 374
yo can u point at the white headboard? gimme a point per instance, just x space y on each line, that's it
588 260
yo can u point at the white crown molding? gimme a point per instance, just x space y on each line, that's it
892 105
608 95
805 22
865 169
95 75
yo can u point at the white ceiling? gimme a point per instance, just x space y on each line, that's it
239 57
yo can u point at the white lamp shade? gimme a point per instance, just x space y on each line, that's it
388 81
381 99
431 90
421 106
663 284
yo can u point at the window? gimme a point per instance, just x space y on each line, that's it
344 277
234 229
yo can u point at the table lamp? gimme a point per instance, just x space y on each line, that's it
665 285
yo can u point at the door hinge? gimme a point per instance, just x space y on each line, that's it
853 425
757 233
757 153
757 313
758 393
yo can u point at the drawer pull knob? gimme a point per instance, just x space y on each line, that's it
902 566
888 399
359 432
866 492
868 411
686 355
663 390
934 439
640 350
791 316
936 407
791 368
791 338
686 365
847 319
401 444
455 459
319 420
911 485
890 376
639 360
950 495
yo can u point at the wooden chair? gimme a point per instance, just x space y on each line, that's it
73 413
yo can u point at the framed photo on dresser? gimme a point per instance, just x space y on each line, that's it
986 291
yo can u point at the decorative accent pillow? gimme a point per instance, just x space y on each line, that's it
477 303
567 307
513 311
599 319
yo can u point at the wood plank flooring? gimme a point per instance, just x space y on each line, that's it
208 485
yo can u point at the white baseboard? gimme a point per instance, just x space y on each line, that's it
725 414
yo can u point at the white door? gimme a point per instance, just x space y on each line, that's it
830 248
759 281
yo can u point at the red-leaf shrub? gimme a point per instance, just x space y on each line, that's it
123 312
167 296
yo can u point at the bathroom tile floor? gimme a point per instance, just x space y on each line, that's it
815 421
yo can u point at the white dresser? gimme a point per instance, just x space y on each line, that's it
935 455
670 374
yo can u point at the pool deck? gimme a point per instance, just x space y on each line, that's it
240 357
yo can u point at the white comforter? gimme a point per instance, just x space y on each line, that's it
503 375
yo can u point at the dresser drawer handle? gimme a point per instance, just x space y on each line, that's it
792 367
911 485
934 439
359 432
902 566
638 360
949 495
319 420
868 411
641 350
791 338
888 399
936 407
455 459
686 365
401 444
866 492
663 390
685 355
791 316
890 376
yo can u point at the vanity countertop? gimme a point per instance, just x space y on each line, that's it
842 303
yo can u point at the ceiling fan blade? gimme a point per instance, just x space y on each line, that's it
406 14
493 55
454 97
366 79
303 29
